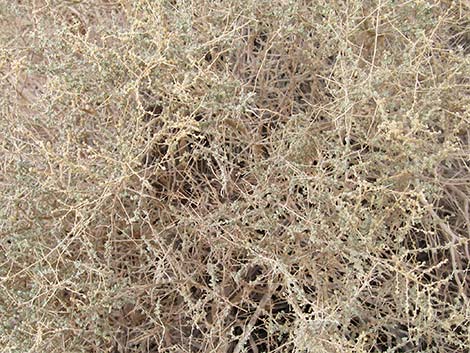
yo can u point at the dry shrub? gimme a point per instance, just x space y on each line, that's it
227 176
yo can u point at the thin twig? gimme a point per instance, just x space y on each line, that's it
251 324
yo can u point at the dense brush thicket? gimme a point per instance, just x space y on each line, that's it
234 176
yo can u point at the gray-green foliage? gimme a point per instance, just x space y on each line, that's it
227 176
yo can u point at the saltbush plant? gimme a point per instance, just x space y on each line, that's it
234 176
